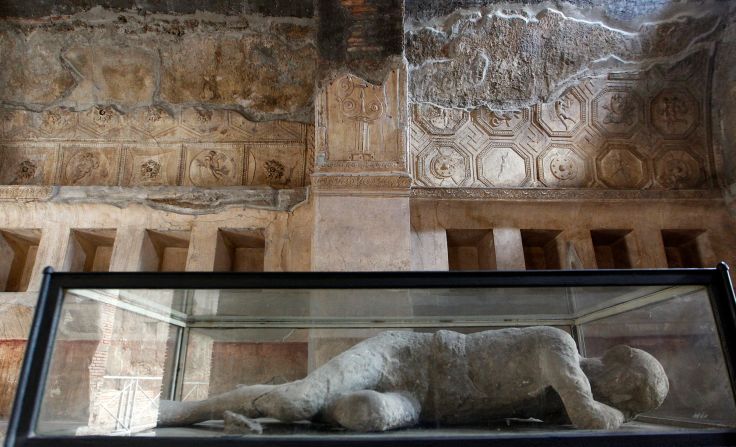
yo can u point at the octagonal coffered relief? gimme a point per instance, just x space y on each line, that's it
621 166
563 117
562 165
674 113
617 111
677 168
502 123
503 165
444 164
438 120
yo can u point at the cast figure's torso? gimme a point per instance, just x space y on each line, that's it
460 378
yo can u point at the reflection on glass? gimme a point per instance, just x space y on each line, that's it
121 356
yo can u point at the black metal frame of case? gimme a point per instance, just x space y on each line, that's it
46 318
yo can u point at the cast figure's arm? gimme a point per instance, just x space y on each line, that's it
560 364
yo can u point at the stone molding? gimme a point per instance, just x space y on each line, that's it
177 199
561 194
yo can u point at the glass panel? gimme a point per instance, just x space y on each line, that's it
109 361
681 333
332 361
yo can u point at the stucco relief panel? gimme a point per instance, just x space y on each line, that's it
674 113
85 164
504 123
617 111
563 117
445 164
562 165
151 165
210 164
678 167
621 166
503 165
152 146
28 164
360 125
278 167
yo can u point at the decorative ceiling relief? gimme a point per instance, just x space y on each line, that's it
151 146
627 131
360 126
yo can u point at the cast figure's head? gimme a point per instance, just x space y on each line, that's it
630 380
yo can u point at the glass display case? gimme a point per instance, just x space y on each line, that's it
417 358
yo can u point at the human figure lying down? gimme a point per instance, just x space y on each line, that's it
399 379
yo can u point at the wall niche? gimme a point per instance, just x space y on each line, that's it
90 250
541 249
165 251
18 250
470 250
686 248
240 250
612 248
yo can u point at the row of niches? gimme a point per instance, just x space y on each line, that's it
91 250
646 130
279 165
545 249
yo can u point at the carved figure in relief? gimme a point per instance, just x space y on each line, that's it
83 166
674 111
400 378
216 163
678 170
204 116
563 111
498 118
620 168
621 109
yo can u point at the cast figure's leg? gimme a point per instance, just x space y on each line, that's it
240 400
562 367
369 410
359 368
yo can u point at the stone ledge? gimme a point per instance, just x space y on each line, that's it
388 184
176 199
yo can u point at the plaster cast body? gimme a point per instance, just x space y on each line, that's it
399 379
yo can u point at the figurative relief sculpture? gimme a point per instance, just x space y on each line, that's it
400 379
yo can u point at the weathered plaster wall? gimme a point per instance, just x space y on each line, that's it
507 56
262 67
